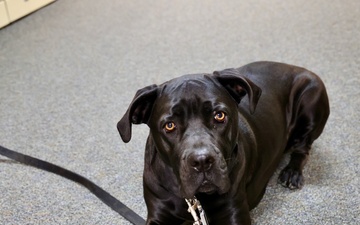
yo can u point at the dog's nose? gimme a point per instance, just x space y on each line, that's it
201 162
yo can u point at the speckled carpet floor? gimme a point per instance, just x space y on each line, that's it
69 71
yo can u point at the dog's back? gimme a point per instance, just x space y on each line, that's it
294 107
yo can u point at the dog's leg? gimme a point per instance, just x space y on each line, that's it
291 176
310 112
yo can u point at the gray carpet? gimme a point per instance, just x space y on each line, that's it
68 72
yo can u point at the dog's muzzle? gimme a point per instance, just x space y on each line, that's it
204 171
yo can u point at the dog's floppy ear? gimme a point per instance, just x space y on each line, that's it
238 86
138 112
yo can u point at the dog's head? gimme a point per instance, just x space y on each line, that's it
193 121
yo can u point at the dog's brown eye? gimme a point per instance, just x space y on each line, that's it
170 126
220 117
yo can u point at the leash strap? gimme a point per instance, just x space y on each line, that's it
194 205
104 196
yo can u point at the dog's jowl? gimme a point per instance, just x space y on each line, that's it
220 137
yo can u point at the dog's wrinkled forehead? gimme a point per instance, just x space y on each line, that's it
185 84
189 87
191 94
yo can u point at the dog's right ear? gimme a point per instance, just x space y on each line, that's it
138 112
238 86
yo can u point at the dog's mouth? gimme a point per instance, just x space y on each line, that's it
207 187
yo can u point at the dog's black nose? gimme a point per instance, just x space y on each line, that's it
201 162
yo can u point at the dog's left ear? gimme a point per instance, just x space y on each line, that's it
138 112
238 86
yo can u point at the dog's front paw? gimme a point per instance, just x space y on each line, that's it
291 178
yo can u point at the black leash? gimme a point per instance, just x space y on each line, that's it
104 196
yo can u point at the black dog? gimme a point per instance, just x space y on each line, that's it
207 140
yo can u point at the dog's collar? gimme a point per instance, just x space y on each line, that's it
194 205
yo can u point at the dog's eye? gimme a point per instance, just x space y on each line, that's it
170 126
220 116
